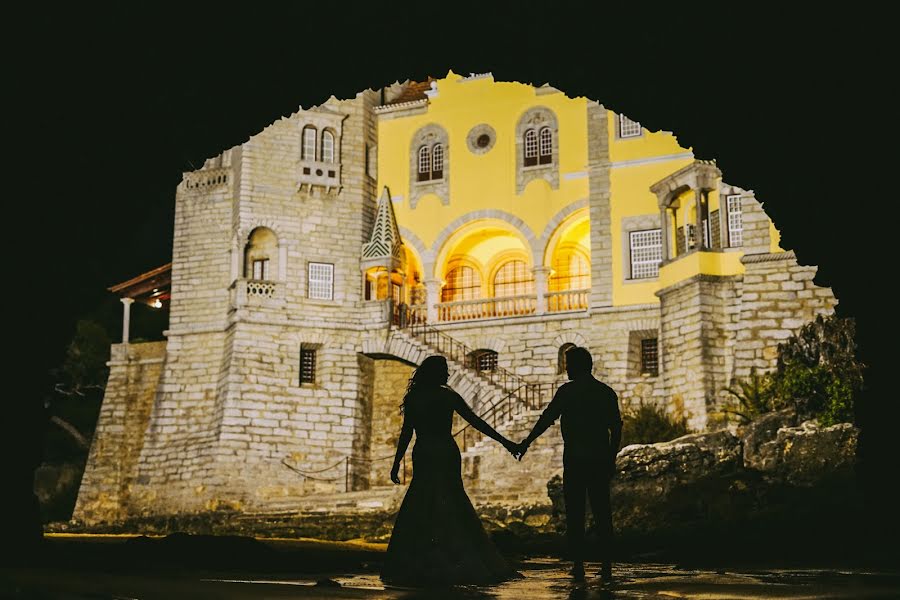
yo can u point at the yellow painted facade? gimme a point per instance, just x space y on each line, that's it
479 181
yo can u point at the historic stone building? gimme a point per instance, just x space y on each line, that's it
497 223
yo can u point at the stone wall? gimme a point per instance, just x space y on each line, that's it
134 373
779 297
390 378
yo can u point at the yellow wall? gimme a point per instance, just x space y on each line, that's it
486 180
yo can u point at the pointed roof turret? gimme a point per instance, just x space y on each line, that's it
383 247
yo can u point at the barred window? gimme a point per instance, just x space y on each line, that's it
484 360
546 146
327 146
307 365
650 356
424 164
514 278
309 143
437 162
531 148
628 128
261 269
735 221
463 283
571 271
646 253
690 235
321 281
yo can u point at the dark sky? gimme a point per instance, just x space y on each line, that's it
111 106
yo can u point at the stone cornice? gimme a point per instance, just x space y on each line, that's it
768 257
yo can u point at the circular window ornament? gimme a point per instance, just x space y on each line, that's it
481 139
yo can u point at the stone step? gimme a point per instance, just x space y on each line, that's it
371 500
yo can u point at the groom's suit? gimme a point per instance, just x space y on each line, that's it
591 426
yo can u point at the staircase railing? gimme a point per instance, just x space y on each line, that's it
531 396
459 352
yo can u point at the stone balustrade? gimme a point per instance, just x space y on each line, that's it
487 308
206 179
568 300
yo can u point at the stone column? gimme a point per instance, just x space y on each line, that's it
432 297
126 318
700 201
540 288
664 231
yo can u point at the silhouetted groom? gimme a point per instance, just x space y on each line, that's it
592 431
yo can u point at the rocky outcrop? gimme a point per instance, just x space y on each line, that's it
719 482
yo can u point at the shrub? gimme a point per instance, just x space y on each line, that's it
818 373
649 423
751 397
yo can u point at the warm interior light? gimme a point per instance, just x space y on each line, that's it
156 304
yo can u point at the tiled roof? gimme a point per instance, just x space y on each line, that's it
414 91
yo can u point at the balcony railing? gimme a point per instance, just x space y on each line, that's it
487 308
568 300
255 292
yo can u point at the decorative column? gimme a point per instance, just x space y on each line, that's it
540 288
432 295
664 231
126 318
700 212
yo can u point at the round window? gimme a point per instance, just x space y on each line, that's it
483 140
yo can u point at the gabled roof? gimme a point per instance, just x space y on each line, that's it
155 284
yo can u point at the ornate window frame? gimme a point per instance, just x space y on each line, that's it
431 137
542 122
632 225
318 170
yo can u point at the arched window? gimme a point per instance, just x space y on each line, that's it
437 162
571 271
463 283
260 254
531 148
514 278
424 164
561 359
546 146
327 146
309 143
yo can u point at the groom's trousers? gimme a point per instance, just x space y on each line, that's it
587 477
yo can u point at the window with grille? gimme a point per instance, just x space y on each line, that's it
424 163
327 147
571 271
463 283
735 221
650 356
261 269
546 146
714 228
485 360
646 253
309 143
514 278
690 235
531 148
628 128
307 365
321 281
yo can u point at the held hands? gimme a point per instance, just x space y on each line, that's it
517 450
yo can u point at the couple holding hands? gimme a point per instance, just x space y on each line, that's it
438 538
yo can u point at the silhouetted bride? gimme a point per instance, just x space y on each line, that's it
438 538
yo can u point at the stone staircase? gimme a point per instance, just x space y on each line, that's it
491 475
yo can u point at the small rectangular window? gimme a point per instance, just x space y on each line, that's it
735 222
650 356
321 281
307 365
261 269
628 128
646 253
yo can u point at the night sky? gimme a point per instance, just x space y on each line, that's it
110 107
